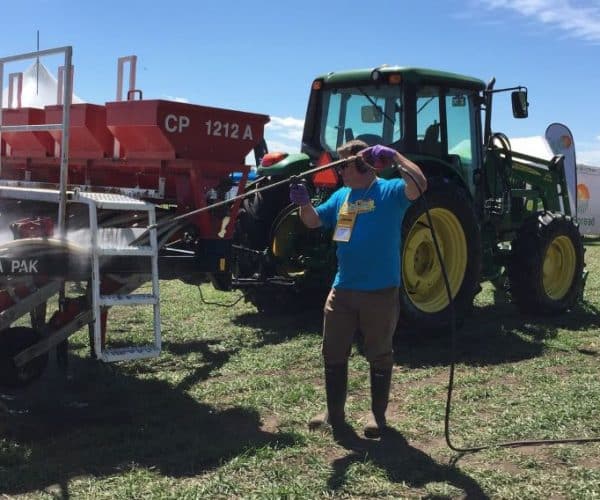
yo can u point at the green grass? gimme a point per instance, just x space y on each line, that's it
222 413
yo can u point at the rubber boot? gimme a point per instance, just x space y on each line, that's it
336 385
380 395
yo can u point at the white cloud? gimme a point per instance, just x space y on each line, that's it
588 152
589 157
577 20
284 147
284 134
176 99
289 127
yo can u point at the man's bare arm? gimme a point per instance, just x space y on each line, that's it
411 190
309 216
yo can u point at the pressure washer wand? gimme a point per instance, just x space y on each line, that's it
293 178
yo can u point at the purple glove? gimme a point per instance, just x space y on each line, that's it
379 156
299 194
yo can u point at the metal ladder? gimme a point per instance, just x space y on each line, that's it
107 201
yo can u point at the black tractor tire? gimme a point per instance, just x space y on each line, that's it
12 342
256 216
289 243
423 295
546 264
257 228
252 229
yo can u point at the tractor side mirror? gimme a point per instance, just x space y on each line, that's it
519 103
371 114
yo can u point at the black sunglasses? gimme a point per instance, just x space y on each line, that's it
342 166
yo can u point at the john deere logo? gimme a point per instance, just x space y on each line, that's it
583 203
565 141
583 198
561 143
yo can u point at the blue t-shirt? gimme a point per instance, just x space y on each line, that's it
371 259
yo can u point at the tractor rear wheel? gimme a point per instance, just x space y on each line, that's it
257 214
424 298
252 228
546 265
12 342
272 227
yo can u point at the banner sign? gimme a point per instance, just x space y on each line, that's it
561 142
588 199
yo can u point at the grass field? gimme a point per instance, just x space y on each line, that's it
222 413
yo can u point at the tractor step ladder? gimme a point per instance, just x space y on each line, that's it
103 247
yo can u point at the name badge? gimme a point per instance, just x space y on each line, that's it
344 227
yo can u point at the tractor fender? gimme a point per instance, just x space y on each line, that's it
439 171
292 164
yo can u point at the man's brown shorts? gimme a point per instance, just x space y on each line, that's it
375 313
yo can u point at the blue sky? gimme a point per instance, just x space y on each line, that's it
261 56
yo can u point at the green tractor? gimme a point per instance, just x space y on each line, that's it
497 213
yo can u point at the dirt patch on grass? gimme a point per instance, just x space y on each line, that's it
269 423
431 446
438 379
503 466
589 463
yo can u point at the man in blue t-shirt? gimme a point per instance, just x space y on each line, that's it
366 217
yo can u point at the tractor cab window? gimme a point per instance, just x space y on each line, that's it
459 119
428 121
368 113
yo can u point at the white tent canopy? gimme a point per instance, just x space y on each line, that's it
588 182
534 146
40 89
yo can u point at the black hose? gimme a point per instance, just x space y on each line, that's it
220 304
505 444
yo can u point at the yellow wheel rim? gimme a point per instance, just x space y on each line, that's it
559 267
421 272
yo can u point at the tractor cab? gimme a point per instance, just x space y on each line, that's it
431 116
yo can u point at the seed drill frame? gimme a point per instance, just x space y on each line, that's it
108 172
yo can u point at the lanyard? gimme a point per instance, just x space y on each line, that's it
347 219
345 203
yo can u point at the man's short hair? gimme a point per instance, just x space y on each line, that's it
351 148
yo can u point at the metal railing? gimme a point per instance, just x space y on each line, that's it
64 126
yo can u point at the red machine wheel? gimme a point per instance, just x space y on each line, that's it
12 342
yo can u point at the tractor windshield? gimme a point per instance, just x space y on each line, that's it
372 114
